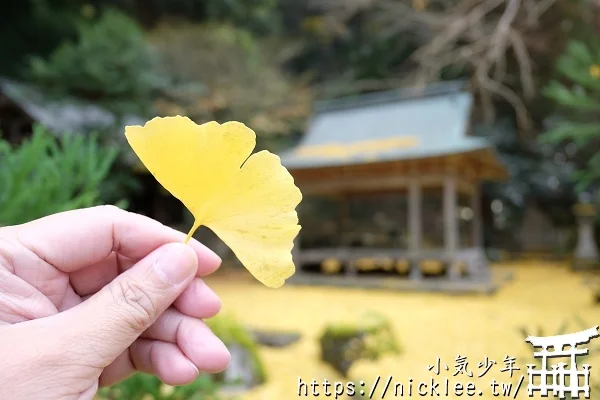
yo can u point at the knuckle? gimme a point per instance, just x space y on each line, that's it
7 251
135 301
111 210
6 261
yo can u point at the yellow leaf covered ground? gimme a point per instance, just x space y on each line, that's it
427 326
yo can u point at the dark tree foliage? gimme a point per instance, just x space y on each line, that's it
363 51
576 96
37 27
33 27
108 62
539 176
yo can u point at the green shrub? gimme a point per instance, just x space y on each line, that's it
110 63
45 175
142 386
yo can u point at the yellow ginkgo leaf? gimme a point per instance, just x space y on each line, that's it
249 201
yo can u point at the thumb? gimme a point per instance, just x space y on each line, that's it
118 314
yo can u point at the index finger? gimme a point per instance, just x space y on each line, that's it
73 240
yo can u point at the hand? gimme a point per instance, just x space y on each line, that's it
88 297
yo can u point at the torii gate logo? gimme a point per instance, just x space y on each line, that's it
561 378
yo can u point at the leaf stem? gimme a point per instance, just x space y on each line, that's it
191 232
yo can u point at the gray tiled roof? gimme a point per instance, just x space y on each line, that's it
67 115
61 116
388 126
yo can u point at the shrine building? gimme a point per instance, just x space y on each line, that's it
391 184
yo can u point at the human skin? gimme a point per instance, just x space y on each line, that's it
88 297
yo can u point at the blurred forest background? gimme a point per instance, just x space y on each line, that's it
534 66
74 72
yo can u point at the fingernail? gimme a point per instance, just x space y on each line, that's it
212 342
215 258
208 258
211 296
205 292
194 366
176 263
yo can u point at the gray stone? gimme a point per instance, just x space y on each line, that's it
275 339
586 252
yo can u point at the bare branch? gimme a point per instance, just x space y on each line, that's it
509 95
481 35
522 57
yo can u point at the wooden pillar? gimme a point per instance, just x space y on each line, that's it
450 217
414 226
451 231
414 215
477 216
343 219
344 216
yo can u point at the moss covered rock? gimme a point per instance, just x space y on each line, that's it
344 343
596 295
246 368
